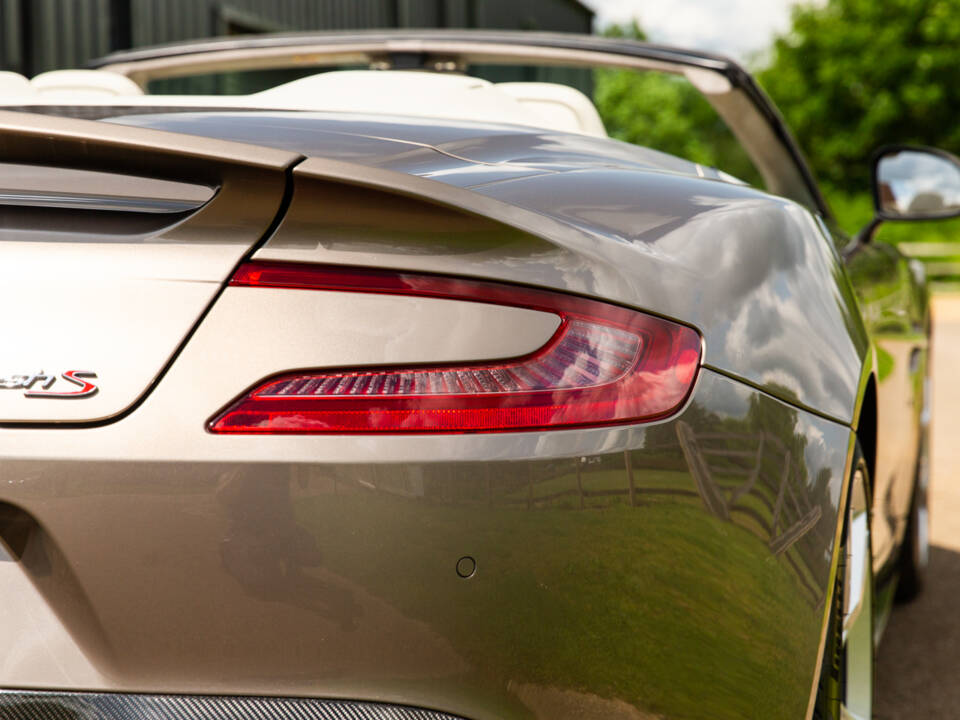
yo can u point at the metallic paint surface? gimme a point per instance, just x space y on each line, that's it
597 217
420 146
96 303
63 187
619 570
777 314
113 293
611 563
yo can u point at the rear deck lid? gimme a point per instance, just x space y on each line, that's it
113 243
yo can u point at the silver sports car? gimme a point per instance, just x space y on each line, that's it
395 389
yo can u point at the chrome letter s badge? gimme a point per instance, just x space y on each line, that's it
70 384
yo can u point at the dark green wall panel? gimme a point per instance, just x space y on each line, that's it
68 33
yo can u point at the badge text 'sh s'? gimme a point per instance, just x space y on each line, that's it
47 384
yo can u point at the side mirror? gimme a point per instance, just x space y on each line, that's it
913 183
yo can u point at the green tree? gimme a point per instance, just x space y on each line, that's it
856 74
665 112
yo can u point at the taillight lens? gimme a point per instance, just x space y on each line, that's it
604 365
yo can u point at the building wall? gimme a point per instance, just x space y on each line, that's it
52 33
40 35
10 45
550 15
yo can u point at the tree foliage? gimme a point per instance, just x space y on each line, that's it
665 112
849 77
857 74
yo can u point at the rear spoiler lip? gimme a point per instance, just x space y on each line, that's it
434 192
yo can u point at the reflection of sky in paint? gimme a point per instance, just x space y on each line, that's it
910 174
749 297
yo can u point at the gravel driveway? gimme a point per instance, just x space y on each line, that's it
919 673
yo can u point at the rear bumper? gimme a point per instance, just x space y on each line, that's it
678 568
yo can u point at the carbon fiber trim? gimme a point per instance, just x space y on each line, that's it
17 705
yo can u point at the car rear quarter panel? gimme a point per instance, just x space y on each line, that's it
115 292
678 568
758 276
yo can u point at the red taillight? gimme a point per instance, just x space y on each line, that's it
604 365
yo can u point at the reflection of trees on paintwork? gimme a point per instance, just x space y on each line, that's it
667 113
749 471
609 561
754 473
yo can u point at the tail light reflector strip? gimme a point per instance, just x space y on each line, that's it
604 365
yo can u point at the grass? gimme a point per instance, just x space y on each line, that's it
663 606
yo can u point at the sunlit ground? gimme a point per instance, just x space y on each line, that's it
920 653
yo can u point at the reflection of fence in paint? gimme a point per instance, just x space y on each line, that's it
716 457
750 479
793 516
580 492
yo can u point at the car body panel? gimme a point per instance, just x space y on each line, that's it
681 568
116 291
392 142
652 234
232 574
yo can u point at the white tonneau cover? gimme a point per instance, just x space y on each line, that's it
416 94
